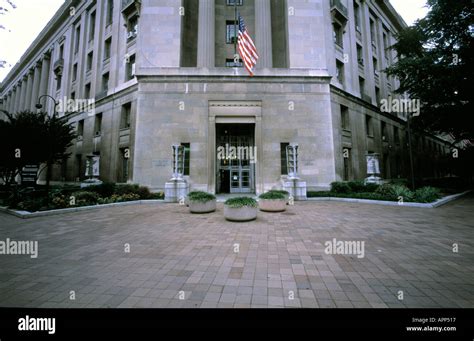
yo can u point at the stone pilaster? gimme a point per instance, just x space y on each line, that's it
263 34
206 34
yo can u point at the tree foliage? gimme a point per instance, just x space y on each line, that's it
32 138
435 65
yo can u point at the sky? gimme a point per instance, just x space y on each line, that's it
25 22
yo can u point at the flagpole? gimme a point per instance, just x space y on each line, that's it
235 30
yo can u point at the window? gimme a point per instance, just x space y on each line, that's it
187 155
110 12
372 32
283 160
396 135
105 81
107 47
377 95
362 85
91 26
132 27
130 68
125 119
87 90
233 2
376 66
346 152
73 95
230 31
357 17
360 55
61 51
77 39
80 129
78 167
59 79
230 62
90 56
340 71
385 166
338 34
384 131
74 72
345 124
124 155
98 125
368 126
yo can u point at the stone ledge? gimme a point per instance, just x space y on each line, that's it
26 214
435 204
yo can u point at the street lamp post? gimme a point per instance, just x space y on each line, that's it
410 151
39 105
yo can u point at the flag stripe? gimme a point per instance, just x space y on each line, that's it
247 49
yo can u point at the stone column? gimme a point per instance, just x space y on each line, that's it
19 93
24 91
263 33
29 87
43 84
35 89
206 33
11 106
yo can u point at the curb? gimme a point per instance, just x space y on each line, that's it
27 215
435 204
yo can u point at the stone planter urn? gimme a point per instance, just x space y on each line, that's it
273 201
240 209
201 202
285 193
272 205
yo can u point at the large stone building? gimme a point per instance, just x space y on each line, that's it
163 72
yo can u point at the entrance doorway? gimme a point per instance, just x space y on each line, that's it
235 145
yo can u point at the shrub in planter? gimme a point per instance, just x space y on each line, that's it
285 193
143 192
340 187
60 201
86 198
371 188
201 202
33 204
126 189
240 209
427 194
272 201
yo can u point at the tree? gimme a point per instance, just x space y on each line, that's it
33 138
435 65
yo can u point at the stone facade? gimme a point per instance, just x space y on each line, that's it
159 74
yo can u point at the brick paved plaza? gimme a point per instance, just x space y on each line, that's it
281 260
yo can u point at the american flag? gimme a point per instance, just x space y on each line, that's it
247 49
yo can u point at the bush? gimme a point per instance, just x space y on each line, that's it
60 201
395 191
86 198
371 188
340 187
356 186
143 192
273 195
286 193
105 189
157 196
126 189
32 204
241 202
200 196
427 194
